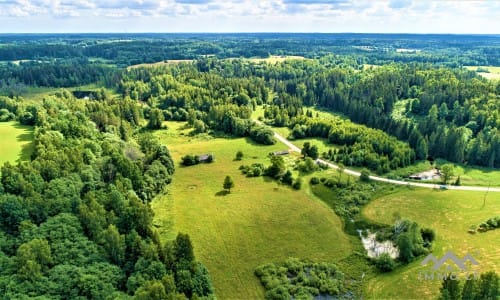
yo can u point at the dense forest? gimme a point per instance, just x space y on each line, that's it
75 220
130 49
439 112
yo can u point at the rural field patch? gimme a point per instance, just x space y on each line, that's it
259 222
15 142
450 214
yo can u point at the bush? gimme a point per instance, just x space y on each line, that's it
330 183
428 234
385 263
365 175
297 279
308 165
239 155
262 135
190 160
5 115
314 180
297 184
287 178
490 224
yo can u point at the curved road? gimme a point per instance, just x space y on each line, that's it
381 179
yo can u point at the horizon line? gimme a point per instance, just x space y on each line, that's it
249 32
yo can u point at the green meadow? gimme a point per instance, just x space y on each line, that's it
469 175
15 142
259 222
450 214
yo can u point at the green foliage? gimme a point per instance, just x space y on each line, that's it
262 135
287 178
254 170
490 224
428 234
190 160
297 184
310 151
155 119
228 183
12 212
314 180
385 263
411 240
487 287
77 217
301 279
239 155
277 168
450 289
308 165
447 171
365 176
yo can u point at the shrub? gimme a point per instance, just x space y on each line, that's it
385 263
239 155
256 171
190 160
330 183
365 175
287 178
314 180
428 234
297 184
490 224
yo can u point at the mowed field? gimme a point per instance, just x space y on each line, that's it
273 59
494 72
469 175
450 214
15 142
258 222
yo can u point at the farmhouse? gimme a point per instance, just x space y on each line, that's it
427 175
86 95
206 158
283 152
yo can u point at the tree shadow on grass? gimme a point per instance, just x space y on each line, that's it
222 193
27 139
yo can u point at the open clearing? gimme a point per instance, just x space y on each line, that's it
494 72
258 222
15 142
469 176
450 214
276 58
162 63
270 60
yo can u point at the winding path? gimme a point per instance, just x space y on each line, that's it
381 179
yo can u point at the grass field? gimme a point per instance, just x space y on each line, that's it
479 176
276 58
450 214
15 142
494 72
258 222
161 63
270 60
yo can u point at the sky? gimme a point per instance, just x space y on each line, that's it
128 16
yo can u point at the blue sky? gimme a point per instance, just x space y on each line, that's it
411 16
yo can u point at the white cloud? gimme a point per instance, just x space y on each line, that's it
260 15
